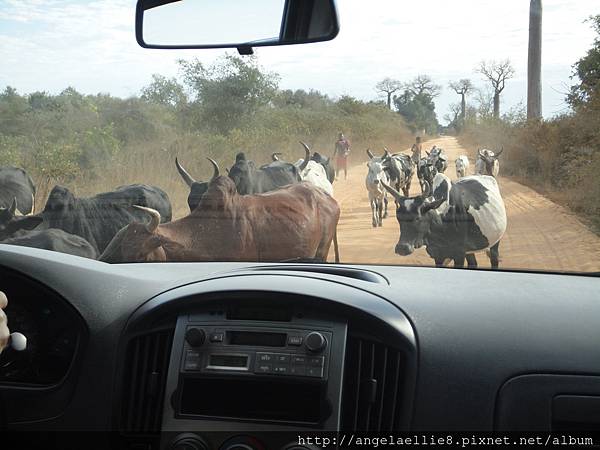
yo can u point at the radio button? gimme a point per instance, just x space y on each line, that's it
195 336
282 358
298 370
265 357
314 371
263 368
295 340
281 369
192 365
216 337
298 359
192 360
315 342
316 361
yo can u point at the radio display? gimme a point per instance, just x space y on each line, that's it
237 361
258 339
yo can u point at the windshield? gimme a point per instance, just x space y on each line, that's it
427 133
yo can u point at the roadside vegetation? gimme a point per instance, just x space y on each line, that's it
93 143
558 156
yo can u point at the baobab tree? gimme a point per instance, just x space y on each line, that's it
497 72
423 84
462 88
388 86
534 63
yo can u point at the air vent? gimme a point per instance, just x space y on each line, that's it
372 389
144 382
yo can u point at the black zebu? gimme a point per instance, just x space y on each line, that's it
462 218
16 184
97 219
54 240
249 179
327 165
197 188
11 222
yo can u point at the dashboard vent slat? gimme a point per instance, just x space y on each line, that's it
145 375
372 386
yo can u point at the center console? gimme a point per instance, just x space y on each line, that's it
238 375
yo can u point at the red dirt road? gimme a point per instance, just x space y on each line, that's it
541 235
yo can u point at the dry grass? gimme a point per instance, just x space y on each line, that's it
559 158
154 164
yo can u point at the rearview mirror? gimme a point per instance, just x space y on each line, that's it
183 24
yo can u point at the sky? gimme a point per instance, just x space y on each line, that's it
47 45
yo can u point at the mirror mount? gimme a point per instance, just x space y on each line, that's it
245 50
302 21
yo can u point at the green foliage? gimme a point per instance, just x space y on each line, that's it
418 110
587 70
164 91
94 143
229 91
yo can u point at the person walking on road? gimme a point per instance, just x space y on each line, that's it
416 150
341 153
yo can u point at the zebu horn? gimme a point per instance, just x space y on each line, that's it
154 218
306 157
275 156
386 153
215 168
435 204
370 153
500 152
13 207
393 191
184 174
480 154
426 189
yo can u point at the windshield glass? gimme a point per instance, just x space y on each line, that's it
427 133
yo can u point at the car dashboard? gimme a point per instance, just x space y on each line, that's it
240 355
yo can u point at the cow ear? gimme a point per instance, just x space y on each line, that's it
23 223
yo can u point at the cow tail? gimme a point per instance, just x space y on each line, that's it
336 249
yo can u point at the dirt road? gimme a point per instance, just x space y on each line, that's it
541 235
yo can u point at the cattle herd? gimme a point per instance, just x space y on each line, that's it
453 220
280 211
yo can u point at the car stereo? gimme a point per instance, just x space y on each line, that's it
256 351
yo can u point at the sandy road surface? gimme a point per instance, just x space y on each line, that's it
541 235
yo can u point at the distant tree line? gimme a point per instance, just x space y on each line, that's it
211 110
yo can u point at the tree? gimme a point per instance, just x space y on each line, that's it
484 99
587 70
164 91
497 72
423 84
388 87
416 104
454 116
228 91
462 88
534 63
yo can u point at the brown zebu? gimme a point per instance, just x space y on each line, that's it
296 222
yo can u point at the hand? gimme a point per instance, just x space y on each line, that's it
4 333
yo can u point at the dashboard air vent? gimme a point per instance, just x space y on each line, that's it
144 382
372 386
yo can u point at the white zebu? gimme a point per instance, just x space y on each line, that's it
453 221
487 163
462 166
313 172
377 194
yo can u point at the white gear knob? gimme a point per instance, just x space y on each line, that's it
17 341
